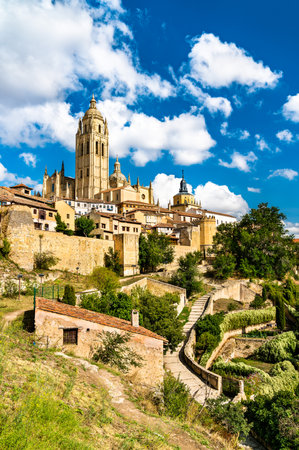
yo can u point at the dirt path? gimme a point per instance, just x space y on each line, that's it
11 316
100 377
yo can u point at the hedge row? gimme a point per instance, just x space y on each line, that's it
280 348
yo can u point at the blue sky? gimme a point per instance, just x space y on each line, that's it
208 87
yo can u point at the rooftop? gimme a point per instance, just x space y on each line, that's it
91 316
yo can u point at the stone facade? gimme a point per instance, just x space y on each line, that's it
128 247
52 318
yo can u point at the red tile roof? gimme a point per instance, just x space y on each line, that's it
21 185
91 316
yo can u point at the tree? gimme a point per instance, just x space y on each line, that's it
112 261
4 248
114 304
61 226
257 246
84 226
154 249
69 296
104 279
115 351
44 260
187 276
280 312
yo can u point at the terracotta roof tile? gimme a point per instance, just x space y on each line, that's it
91 316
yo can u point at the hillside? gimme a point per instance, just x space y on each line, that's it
49 400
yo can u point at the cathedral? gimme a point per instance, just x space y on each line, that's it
92 180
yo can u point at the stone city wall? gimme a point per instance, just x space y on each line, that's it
49 333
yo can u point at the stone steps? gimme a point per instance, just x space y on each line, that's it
198 389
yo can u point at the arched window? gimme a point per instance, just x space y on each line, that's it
82 149
99 128
103 153
87 148
80 173
97 147
87 172
85 128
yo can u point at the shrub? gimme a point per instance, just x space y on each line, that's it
69 296
230 415
61 227
224 266
244 319
84 226
258 302
274 419
11 289
282 377
44 260
104 279
176 397
280 312
112 261
115 352
28 288
278 349
232 306
239 369
4 248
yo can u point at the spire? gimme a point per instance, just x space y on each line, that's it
183 185
93 102
117 165
138 184
150 186
169 205
46 172
106 127
129 179
62 167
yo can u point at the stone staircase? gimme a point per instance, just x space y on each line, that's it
174 361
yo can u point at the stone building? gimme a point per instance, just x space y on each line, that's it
92 179
78 330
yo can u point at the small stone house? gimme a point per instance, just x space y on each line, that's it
77 330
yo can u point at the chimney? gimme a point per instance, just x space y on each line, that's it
135 318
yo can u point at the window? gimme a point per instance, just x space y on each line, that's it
26 191
106 237
81 174
97 225
52 187
128 228
99 128
78 204
85 128
87 148
50 214
115 227
85 203
123 228
46 226
87 173
103 153
82 149
97 148
103 225
116 196
67 216
34 211
68 225
70 336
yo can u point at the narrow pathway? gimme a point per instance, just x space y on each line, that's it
174 362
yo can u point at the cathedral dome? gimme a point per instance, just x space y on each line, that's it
117 179
92 110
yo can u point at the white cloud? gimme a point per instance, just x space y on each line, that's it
8 178
221 199
289 174
285 135
29 159
261 143
219 64
45 55
238 134
239 161
38 124
293 228
255 190
290 109
213 104
165 187
212 196
185 136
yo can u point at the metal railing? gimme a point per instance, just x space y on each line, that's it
54 292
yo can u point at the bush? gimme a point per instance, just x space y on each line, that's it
11 289
44 260
238 369
4 248
230 415
84 226
28 289
280 312
115 352
278 349
154 249
232 306
69 296
176 397
187 276
258 302
274 419
104 279
112 261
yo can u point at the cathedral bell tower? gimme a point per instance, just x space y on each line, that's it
92 154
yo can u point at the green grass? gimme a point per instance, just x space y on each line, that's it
266 367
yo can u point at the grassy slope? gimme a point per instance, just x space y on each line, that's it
48 402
